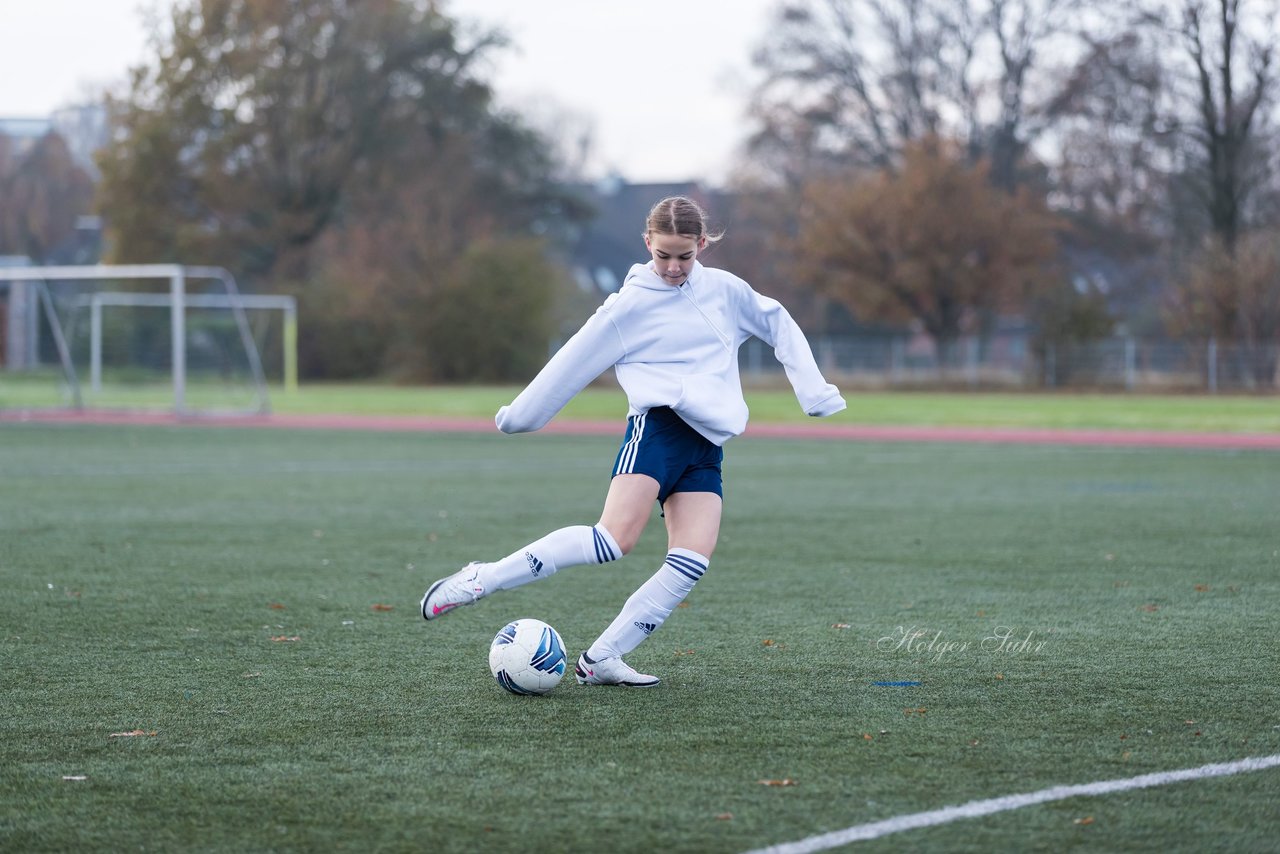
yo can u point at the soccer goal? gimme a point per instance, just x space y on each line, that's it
147 337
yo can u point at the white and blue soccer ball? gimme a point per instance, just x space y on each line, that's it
527 657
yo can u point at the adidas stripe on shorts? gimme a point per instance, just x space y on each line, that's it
660 444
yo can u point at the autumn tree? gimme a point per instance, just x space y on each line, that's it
241 138
285 139
1257 298
850 86
43 192
1233 296
933 242
407 256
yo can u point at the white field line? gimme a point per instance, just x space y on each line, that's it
974 809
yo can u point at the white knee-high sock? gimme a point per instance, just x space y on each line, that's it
577 544
650 606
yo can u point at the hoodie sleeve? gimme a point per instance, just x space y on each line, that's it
769 321
595 348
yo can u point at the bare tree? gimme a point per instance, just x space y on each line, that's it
1117 135
853 81
1232 74
1222 191
1113 116
1023 29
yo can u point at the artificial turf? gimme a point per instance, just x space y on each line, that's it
211 643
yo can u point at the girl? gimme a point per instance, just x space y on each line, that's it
672 335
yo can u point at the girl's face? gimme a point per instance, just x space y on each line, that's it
673 255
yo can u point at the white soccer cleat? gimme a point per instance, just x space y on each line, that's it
611 671
454 591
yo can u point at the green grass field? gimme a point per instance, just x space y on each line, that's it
247 601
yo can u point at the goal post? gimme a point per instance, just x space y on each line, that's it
209 323
287 305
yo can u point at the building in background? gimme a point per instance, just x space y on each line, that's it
603 250
84 128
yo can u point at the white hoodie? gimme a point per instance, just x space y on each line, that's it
677 347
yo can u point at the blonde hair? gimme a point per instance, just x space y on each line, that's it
679 215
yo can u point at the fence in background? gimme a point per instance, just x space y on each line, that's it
1131 364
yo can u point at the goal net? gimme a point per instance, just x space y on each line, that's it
144 338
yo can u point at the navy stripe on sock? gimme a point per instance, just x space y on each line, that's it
686 566
604 553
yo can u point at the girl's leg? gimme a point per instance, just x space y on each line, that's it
693 521
693 526
627 509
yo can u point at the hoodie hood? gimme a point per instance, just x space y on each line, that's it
643 276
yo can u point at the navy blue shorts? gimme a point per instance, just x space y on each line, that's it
660 444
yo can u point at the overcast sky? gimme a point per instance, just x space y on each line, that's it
662 84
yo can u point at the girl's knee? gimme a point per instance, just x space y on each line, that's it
626 539
625 527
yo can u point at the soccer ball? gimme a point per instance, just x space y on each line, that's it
527 657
